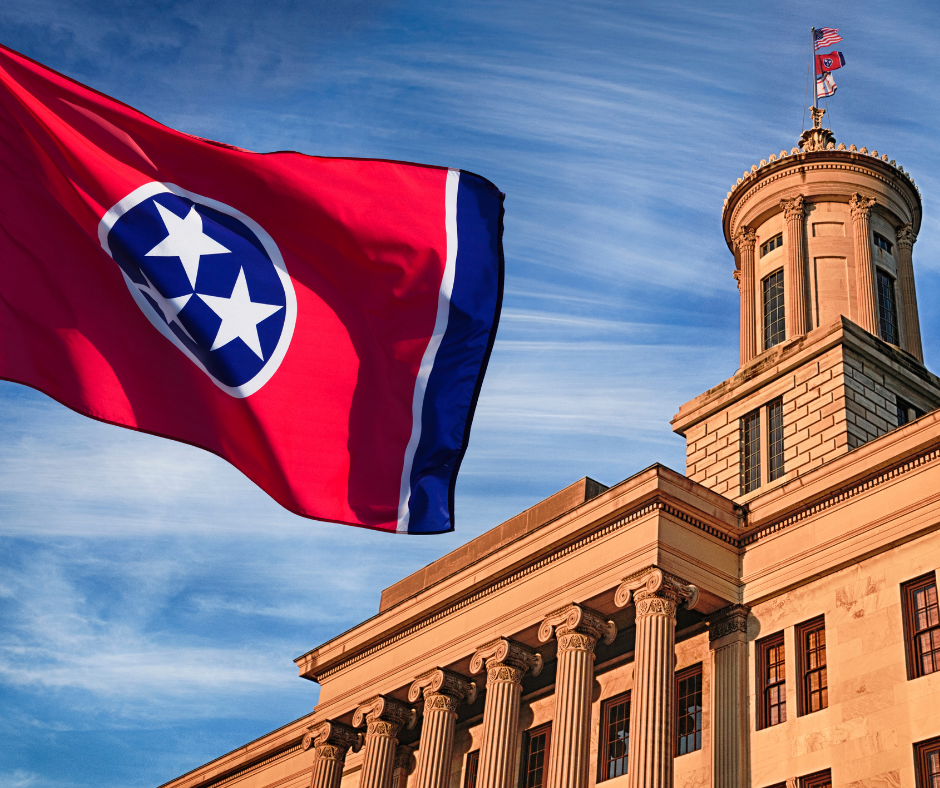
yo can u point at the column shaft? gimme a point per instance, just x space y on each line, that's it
864 270
744 242
383 717
577 629
911 321
506 664
331 741
443 692
795 276
728 640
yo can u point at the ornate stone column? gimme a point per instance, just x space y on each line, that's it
330 741
384 718
864 270
744 242
656 595
443 692
727 636
795 276
577 630
906 239
506 664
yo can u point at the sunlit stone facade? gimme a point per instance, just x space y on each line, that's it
767 619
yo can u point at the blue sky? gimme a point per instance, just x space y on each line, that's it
151 598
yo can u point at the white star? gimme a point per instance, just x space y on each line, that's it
185 240
240 316
171 307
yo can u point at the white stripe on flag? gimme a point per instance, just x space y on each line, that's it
430 353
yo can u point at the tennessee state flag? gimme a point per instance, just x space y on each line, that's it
322 324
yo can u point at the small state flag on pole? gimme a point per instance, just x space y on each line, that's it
826 37
825 85
829 62
322 324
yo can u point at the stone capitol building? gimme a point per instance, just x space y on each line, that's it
768 620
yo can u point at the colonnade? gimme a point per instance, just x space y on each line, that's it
656 595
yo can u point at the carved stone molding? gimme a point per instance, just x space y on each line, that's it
575 625
793 208
737 278
861 206
442 688
331 740
506 660
906 237
744 237
654 591
727 620
384 716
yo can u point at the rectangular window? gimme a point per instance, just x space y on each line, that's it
774 243
883 243
535 759
775 439
904 412
811 652
927 763
774 321
818 780
688 710
615 737
470 772
750 456
887 308
921 625
771 678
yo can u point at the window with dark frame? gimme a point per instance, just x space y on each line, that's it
927 763
750 455
615 737
882 242
774 243
688 710
775 439
774 318
771 677
906 412
471 769
921 625
811 661
887 308
535 760
821 779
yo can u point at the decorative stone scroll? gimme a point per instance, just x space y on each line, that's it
654 591
506 662
576 626
384 718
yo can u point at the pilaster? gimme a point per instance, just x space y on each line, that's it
727 636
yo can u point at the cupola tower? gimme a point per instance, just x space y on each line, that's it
831 352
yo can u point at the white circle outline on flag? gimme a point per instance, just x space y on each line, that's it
290 318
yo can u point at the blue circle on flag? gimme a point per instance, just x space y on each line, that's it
204 275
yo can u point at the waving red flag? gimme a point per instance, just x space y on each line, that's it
322 324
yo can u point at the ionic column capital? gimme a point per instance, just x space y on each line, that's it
745 238
331 740
906 237
577 627
654 591
384 716
506 660
861 206
727 621
793 208
442 689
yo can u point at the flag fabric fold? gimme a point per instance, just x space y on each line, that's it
829 62
322 324
825 85
825 37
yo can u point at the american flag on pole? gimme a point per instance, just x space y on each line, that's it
826 36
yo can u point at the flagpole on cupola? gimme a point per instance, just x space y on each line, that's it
812 56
